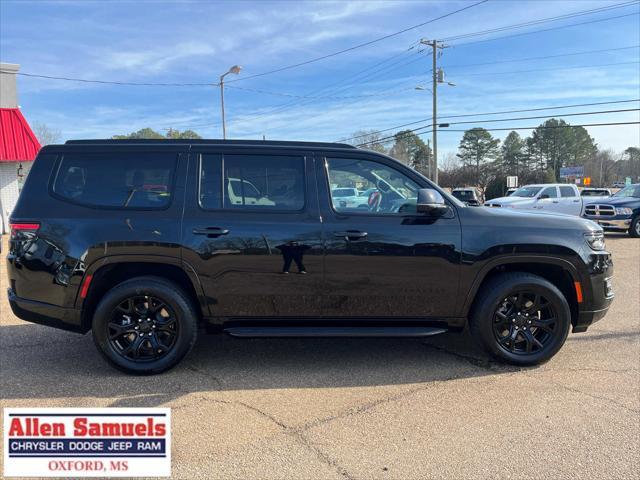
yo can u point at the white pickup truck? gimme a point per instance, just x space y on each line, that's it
551 197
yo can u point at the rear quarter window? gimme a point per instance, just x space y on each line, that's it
128 180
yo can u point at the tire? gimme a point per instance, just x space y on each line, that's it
634 228
145 325
513 340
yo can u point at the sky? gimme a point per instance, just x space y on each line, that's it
549 64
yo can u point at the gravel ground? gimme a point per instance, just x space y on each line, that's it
366 408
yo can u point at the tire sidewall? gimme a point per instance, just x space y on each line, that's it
485 315
633 228
187 325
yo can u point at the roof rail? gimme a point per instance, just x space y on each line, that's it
198 141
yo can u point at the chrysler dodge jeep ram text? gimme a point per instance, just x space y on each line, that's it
143 242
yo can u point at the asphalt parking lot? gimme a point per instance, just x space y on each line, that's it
366 408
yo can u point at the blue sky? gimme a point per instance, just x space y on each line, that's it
196 41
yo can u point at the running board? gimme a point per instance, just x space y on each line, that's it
253 332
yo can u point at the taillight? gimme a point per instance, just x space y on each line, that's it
23 227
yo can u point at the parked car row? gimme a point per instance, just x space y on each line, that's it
617 212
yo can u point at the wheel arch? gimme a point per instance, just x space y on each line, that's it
109 271
560 272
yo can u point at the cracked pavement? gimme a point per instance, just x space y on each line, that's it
366 408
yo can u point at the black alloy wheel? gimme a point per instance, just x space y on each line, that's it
524 323
145 325
143 328
520 318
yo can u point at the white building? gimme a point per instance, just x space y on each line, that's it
18 144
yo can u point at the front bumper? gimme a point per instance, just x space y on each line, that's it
600 294
616 222
45 313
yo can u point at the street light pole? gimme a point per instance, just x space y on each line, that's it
235 70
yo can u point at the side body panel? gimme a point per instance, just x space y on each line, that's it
407 265
49 266
242 270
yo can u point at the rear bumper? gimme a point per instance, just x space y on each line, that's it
45 313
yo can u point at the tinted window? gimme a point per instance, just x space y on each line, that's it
595 193
389 191
263 182
526 192
211 181
550 192
629 191
567 192
123 180
463 194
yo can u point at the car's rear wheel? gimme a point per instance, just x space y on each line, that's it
145 325
521 318
634 228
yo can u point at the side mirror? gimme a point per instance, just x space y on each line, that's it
542 197
431 203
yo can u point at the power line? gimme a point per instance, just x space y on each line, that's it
365 44
606 19
576 67
415 130
291 95
518 128
542 20
545 57
111 82
556 107
542 127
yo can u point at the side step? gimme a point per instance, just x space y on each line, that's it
266 331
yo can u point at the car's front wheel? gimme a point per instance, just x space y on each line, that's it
521 318
145 325
634 228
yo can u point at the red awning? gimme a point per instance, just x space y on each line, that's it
17 141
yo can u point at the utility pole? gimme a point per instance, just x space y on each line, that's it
438 77
429 155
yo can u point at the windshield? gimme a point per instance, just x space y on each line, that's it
594 193
526 192
629 191
463 194
344 192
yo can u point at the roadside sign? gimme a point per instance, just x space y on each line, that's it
512 181
586 181
627 181
566 172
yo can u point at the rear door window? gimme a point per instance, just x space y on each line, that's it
127 180
263 182
567 191
550 192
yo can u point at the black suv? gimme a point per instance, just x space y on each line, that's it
143 242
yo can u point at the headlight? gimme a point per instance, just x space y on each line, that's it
623 211
595 240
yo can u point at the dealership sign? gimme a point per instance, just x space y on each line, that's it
566 172
87 442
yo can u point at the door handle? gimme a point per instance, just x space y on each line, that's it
351 235
576 201
555 201
211 232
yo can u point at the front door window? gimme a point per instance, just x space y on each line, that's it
367 187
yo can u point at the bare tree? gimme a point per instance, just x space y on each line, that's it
46 135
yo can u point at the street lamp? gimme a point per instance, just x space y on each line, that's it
235 70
